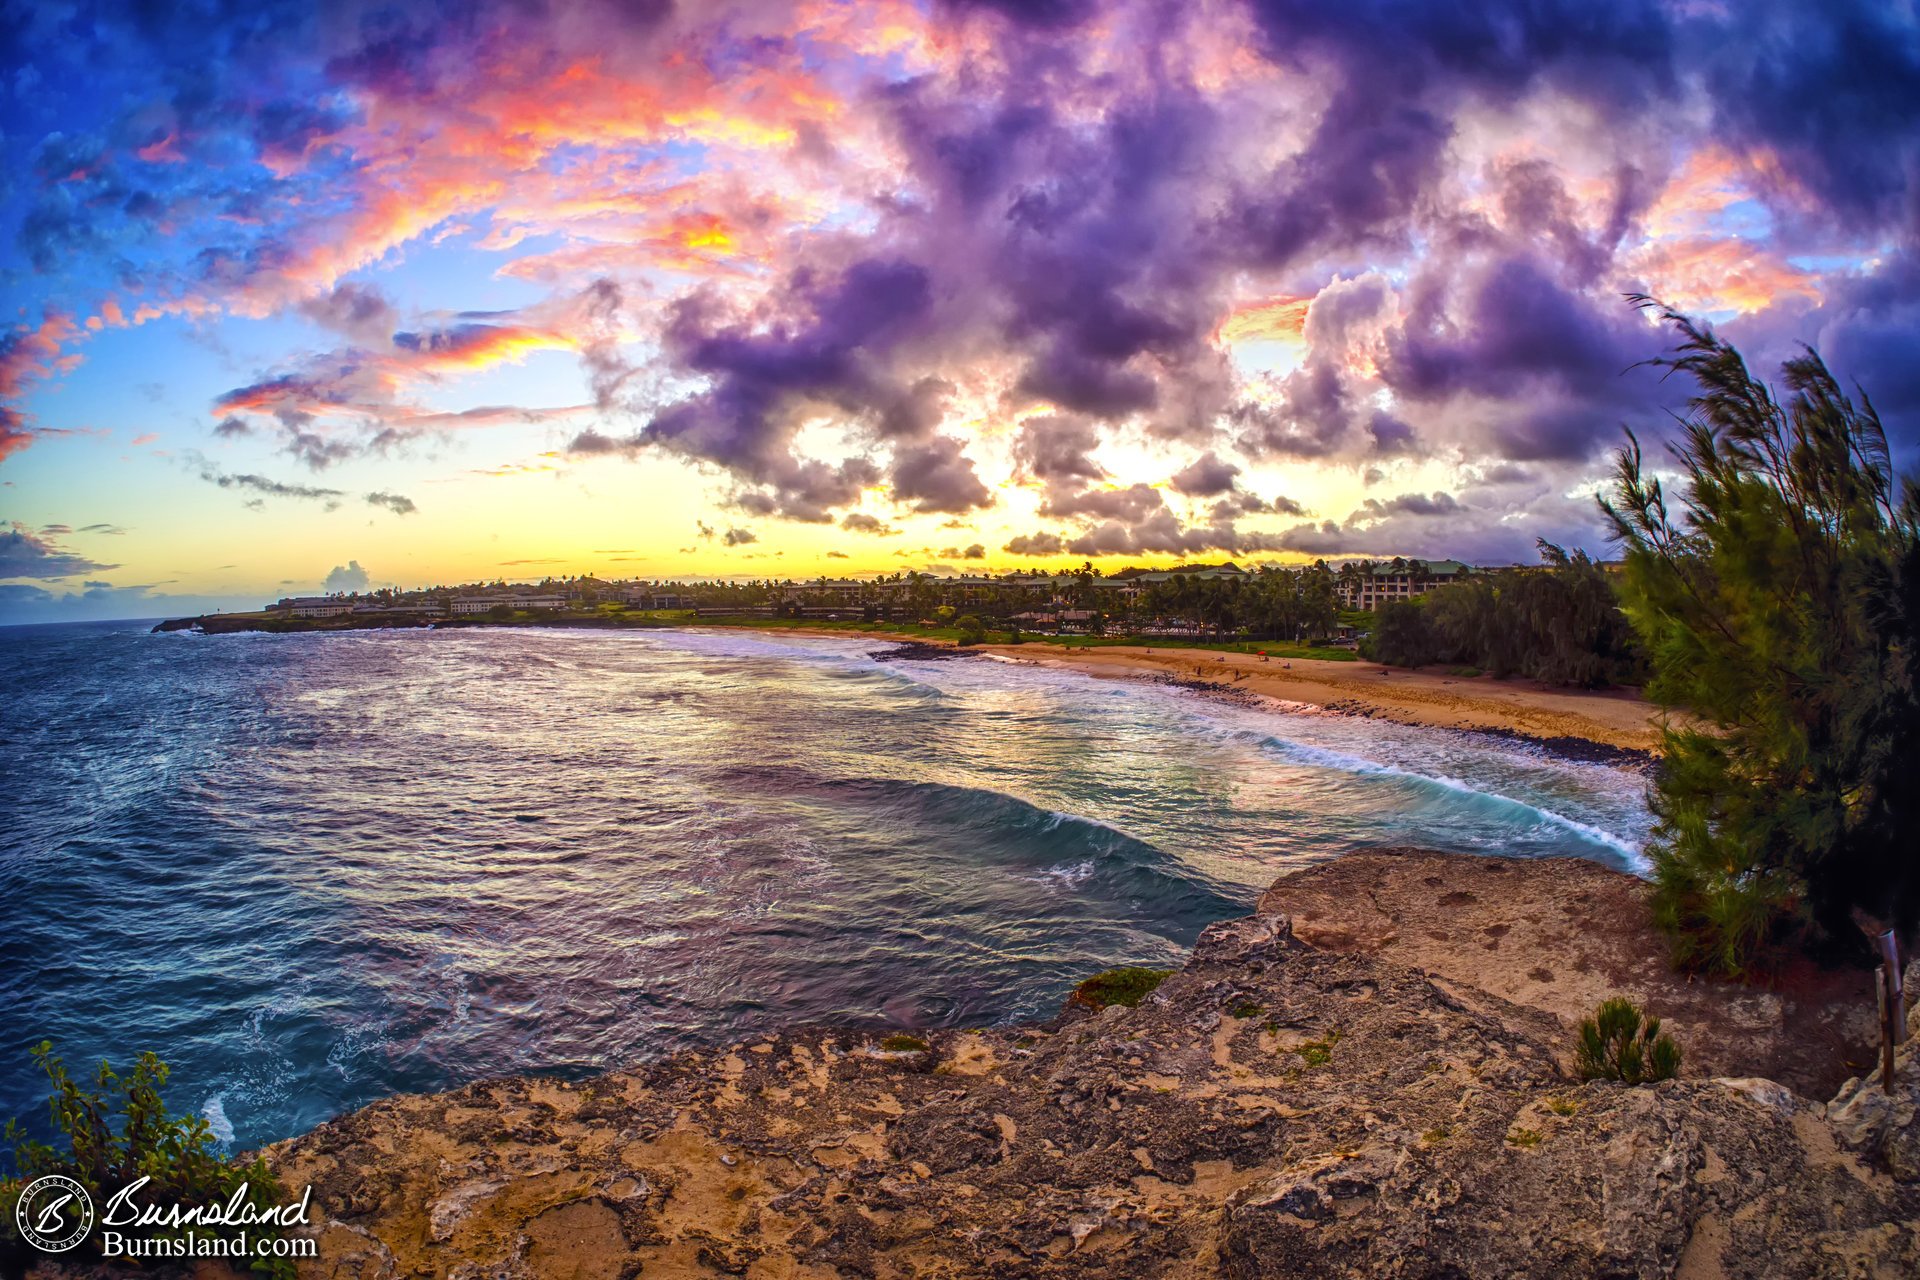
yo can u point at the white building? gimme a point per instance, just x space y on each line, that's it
486 604
317 606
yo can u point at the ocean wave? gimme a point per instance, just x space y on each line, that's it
1017 833
1302 753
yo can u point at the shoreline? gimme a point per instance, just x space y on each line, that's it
1567 722
1617 727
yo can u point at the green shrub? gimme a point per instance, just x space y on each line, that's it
1619 1043
1127 986
1777 592
119 1131
1318 1053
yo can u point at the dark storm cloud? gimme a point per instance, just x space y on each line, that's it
761 380
1036 544
1134 503
1082 222
1553 372
1058 449
1318 415
1615 56
1440 526
1413 504
396 503
937 477
1206 476
1867 331
1045 15
1833 91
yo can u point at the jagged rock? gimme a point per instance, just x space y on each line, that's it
1883 1126
1274 1109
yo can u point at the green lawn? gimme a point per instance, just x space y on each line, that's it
1272 648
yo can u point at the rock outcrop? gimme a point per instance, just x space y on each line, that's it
1885 1125
1273 1109
1561 935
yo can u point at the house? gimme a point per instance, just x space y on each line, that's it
1398 580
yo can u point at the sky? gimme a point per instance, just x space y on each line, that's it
323 297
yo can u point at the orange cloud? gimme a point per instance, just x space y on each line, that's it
1280 319
1711 179
27 356
1729 274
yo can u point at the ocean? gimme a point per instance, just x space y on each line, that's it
310 871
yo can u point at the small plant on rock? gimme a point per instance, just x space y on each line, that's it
1620 1043
903 1043
1126 986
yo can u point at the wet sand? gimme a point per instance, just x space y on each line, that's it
1614 718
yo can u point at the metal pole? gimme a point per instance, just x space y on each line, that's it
1893 1013
1897 986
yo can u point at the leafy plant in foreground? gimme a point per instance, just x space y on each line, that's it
1619 1043
117 1131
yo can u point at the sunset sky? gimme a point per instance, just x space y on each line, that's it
423 292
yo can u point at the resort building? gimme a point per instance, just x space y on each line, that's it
486 604
1397 580
843 590
1139 582
649 597
317 606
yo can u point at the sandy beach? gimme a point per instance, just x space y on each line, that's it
1619 718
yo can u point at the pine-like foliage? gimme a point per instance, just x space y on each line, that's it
1559 623
1777 610
1617 1043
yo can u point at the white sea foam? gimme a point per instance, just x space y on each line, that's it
1066 875
215 1113
1347 763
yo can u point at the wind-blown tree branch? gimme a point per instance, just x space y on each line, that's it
1778 609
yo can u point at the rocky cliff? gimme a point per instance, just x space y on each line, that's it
1276 1108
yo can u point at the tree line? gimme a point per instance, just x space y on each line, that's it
1560 623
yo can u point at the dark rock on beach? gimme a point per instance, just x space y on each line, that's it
1583 750
920 651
